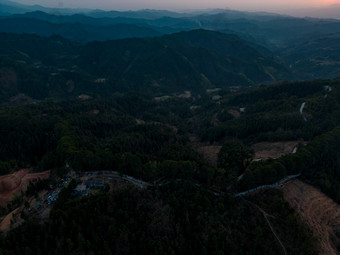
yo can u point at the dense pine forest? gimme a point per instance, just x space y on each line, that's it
150 140
139 132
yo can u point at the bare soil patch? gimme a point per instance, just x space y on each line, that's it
11 220
265 150
84 97
6 222
20 99
13 183
95 111
320 212
210 153
234 113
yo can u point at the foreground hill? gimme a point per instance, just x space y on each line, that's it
189 204
76 109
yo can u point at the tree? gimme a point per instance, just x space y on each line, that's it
234 156
248 180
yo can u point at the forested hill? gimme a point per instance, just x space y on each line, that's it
315 58
223 60
76 31
146 143
150 139
156 65
271 34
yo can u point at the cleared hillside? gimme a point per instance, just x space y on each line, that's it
56 66
320 212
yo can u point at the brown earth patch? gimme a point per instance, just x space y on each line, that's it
8 78
210 153
6 222
140 122
20 99
265 150
320 212
13 183
95 111
234 113
84 97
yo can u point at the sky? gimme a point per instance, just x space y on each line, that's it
250 5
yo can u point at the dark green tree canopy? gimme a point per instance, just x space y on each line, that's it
234 156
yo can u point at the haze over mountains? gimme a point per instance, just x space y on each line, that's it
326 12
241 49
299 7
194 60
163 132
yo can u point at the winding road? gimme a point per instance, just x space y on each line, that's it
301 111
274 185
143 184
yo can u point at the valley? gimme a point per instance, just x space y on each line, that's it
162 132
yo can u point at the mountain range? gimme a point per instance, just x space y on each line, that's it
204 121
168 51
283 39
194 60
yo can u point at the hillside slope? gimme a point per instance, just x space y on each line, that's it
315 58
320 212
193 61
75 31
